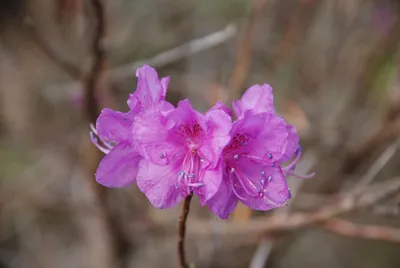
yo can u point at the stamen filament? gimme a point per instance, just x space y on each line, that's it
106 144
292 165
96 143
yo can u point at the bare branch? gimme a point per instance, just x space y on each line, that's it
378 165
295 220
60 92
375 232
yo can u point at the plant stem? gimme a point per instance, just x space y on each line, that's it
182 229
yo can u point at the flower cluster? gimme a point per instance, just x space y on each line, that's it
173 152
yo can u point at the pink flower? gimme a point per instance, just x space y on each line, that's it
173 152
113 134
181 149
260 142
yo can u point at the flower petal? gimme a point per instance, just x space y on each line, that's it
218 126
158 183
150 90
259 98
272 141
259 178
292 144
114 126
151 134
164 84
224 201
212 179
261 135
221 106
184 114
119 167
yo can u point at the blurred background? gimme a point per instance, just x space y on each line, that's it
335 69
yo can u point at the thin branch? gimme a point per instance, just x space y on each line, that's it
295 220
175 54
378 165
387 210
160 60
264 248
182 231
115 250
94 77
48 49
346 228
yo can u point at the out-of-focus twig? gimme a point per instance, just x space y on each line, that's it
388 210
378 165
94 78
243 55
266 244
375 232
113 252
47 48
175 54
182 231
384 135
162 59
295 220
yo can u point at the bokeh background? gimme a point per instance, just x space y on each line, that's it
334 67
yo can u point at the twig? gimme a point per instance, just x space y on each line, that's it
388 210
387 133
47 48
116 248
182 231
266 244
59 92
94 77
346 228
295 220
175 54
378 165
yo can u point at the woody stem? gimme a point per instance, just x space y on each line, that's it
182 230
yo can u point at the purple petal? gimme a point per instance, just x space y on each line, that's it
184 114
261 136
150 90
212 179
250 123
292 144
164 84
114 126
271 142
254 178
159 183
224 201
218 127
259 98
151 133
221 106
119 167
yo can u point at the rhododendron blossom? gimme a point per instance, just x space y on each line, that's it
261 142
173 152
181 150
112 134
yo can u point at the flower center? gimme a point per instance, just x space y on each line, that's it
190 176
